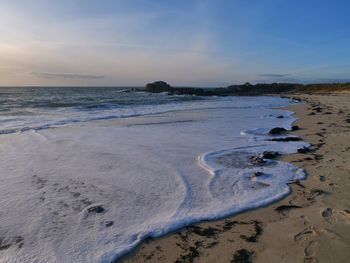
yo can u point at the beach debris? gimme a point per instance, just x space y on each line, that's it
205 232
277 130
95 209
318 109
314 193
258 227
298 183
243 256
190 256
322 178
318 157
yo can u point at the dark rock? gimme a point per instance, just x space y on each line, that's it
257 160
327 213
322 178
277 130
270 155
295 128
243 256
109 223
257 174
158 86
304 150
96 209
280 117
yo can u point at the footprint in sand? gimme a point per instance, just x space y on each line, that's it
309 253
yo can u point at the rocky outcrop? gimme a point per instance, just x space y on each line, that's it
277 130
162 86
247 89
158 87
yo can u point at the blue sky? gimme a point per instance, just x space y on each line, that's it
201 43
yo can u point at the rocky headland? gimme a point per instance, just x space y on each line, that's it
248 89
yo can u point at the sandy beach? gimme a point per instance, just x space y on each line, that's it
310 225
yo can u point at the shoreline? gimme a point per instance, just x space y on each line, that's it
254 235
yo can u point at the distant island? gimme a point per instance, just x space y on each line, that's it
248 89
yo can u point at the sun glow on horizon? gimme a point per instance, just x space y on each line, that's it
186 43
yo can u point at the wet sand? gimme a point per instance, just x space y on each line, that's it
312 224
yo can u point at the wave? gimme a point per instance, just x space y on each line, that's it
147 180
105 111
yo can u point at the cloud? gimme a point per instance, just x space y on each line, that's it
50 75
274 75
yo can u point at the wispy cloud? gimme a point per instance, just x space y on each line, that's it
274 75
135 42
51 75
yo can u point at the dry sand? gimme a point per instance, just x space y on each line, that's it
310 225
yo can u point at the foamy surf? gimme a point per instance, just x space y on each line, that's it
92 191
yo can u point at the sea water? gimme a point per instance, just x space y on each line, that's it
88 173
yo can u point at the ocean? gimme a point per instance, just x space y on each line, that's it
89 173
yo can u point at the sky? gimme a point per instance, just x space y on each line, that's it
184 42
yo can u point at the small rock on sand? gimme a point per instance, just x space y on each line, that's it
327 213
95 209
277 130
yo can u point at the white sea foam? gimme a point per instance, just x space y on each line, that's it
151 174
